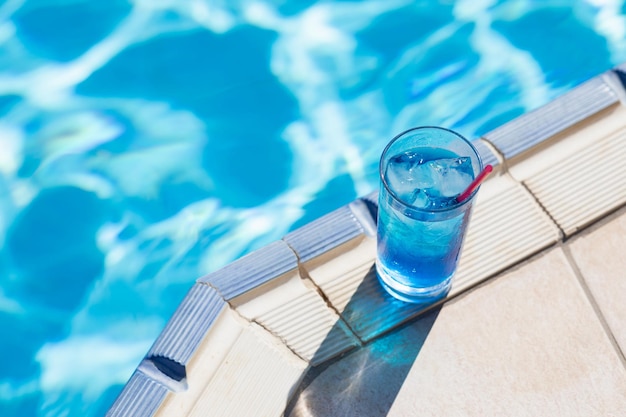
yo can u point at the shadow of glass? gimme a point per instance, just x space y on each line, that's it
366 380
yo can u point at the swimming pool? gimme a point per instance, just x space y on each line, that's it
144 144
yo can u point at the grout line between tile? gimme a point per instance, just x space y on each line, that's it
260 325
594 304
244 319
305 276
562 233
497 152
279 338
208 284
612 79
330 305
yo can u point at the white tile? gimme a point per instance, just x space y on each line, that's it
294 311
526 343
347 278
507 226
599 254
256 378
580 174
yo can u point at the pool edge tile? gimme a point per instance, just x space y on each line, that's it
188 325
324 234
620 72
488 153
140 397
532 128
577 175
253 270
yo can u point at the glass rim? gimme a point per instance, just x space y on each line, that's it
398 200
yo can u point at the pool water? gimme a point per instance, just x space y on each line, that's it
146 143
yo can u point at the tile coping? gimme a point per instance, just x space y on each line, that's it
163 370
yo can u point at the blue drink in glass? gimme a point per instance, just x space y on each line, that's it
421 225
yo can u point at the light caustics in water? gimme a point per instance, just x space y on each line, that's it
120 154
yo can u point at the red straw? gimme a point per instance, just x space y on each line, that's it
474 184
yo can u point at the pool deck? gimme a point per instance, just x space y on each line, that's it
535 323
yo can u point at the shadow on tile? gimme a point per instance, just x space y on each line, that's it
365 381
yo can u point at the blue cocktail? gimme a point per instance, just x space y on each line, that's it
421 222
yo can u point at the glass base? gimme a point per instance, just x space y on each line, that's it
415 295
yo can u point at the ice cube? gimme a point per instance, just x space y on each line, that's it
450 176
421 199
406 174
428 183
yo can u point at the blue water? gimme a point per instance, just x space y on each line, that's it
146 143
